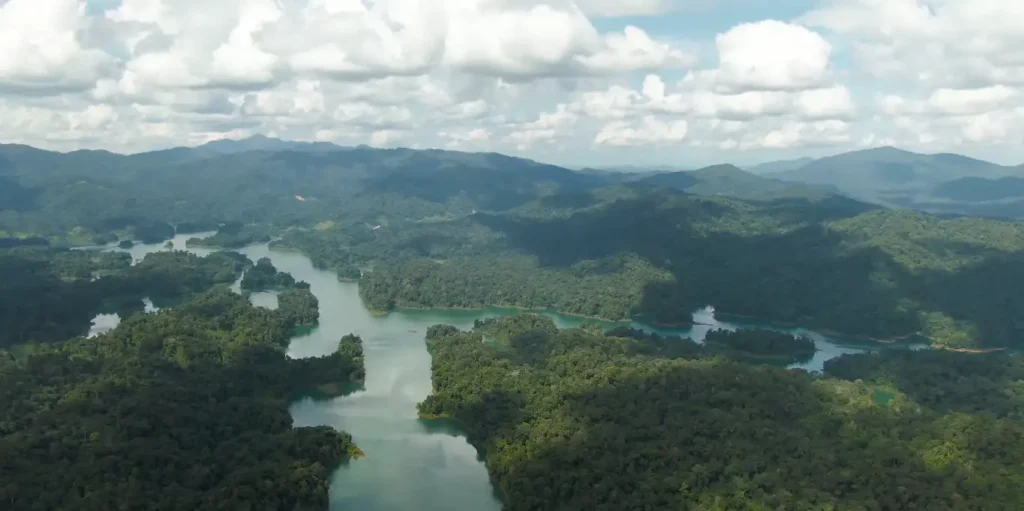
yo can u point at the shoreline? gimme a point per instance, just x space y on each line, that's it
636 318
825 331
534 310
974 351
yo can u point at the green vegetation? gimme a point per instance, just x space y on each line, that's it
761 344
447 229
183 409
300 306
732 181
990 383
186 409
832 264
265 276
610 289
233 236
571 419
53 294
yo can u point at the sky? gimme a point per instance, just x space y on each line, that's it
682 83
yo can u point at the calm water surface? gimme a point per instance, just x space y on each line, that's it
412 463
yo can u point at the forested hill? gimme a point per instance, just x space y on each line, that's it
181 409
833 264
86 197
450 229
78 196
577 419
731 181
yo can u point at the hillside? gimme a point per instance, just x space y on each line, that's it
731 181
773 167
78 196
880 172
976 189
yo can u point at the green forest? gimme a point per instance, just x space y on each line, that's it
264 276
187 408
765 344
460 230
577 419
626 251
49 294
182 409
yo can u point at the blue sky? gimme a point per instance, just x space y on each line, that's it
577 82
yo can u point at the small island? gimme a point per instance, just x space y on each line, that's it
348 273
760 344
125 244
234 235
265 276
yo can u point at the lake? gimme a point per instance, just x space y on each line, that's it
412 463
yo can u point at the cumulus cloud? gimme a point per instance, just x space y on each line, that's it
944 43
510 75
771 55
626 7
649 131
41 48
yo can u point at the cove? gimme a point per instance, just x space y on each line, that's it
413 463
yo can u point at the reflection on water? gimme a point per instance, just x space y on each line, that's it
412 463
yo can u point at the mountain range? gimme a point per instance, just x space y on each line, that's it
942 183
247 179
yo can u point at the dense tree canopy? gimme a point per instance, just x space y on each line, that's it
183 409
990 383
265 276
761 344
53 294
571 419
828 264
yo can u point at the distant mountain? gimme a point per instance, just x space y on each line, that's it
635 169
976 189
876 173
773 167
732 181
263 143
59 194
229 146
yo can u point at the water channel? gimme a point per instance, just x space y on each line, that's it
411 463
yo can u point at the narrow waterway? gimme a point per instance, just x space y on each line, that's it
411 463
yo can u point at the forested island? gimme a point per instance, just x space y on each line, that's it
233 235
182 409
574 419
50 294
764 344
263 276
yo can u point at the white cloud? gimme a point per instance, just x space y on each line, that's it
828 103
801 134
970 101
772 55
650 130
943 43
40 47
634 50
613 8
467 139
527 75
